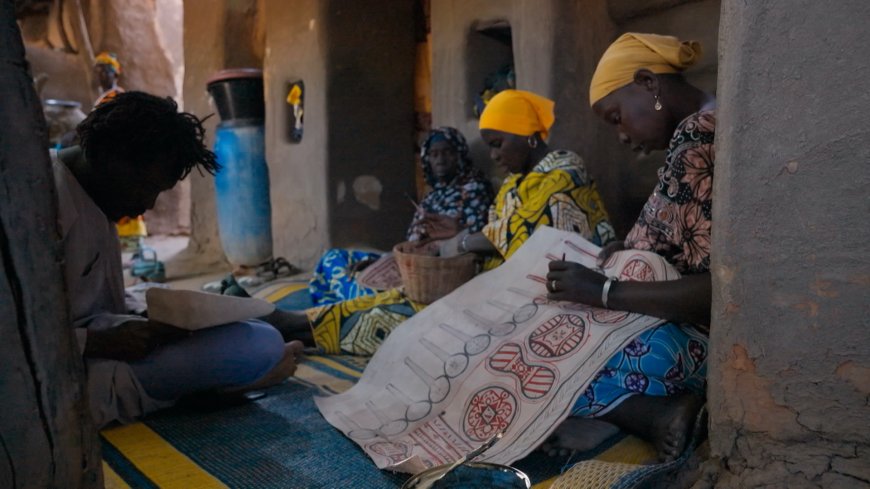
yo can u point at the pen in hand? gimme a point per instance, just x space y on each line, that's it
415 204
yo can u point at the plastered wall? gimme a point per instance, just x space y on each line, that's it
370 104
295 50
790 363
204 54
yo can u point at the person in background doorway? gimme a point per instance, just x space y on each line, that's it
107 68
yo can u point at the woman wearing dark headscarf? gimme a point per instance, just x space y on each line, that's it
459 190
460 193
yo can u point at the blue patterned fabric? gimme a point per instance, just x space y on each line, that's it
333 281
663 361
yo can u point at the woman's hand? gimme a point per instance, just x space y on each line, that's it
132 340
440 226
568 281
606 252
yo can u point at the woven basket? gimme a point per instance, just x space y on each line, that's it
428 278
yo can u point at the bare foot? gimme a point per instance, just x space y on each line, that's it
666 422
578 435
285 368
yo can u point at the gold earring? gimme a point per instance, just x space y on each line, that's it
658 105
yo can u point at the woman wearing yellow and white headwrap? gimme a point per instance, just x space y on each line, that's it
654 387
544 188
108 69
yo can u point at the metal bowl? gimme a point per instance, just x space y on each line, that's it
72 104
473 475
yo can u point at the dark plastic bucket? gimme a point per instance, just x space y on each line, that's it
238 94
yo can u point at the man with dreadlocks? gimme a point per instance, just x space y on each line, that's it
132 148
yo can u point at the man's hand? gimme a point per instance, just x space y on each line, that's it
132 340
439 226
568 281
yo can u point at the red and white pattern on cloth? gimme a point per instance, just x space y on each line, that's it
490 411
677 219
492 355
534 380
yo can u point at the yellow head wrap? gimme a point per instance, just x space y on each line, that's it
631 52
110 59
519 112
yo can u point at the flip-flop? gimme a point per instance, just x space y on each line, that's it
283 268
277 267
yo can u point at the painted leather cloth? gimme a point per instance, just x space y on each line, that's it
467 197
675 223
556 193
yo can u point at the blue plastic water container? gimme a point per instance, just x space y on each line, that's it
242 186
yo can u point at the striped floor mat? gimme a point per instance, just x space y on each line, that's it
281 441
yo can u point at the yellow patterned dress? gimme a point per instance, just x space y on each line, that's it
555 193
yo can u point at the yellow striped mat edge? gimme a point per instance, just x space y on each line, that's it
328 362
162 464
629 450
111 479
306 374
276 292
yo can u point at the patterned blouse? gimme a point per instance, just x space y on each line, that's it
556 192
676 220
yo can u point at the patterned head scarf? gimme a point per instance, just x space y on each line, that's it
519 112
457 141
108 59
633 51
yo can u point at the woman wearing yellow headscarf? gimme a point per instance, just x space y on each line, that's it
544 188
654 387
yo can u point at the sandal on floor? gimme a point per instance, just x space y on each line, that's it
275 268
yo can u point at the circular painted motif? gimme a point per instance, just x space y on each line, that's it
608 316
557 337
490 410
525 313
